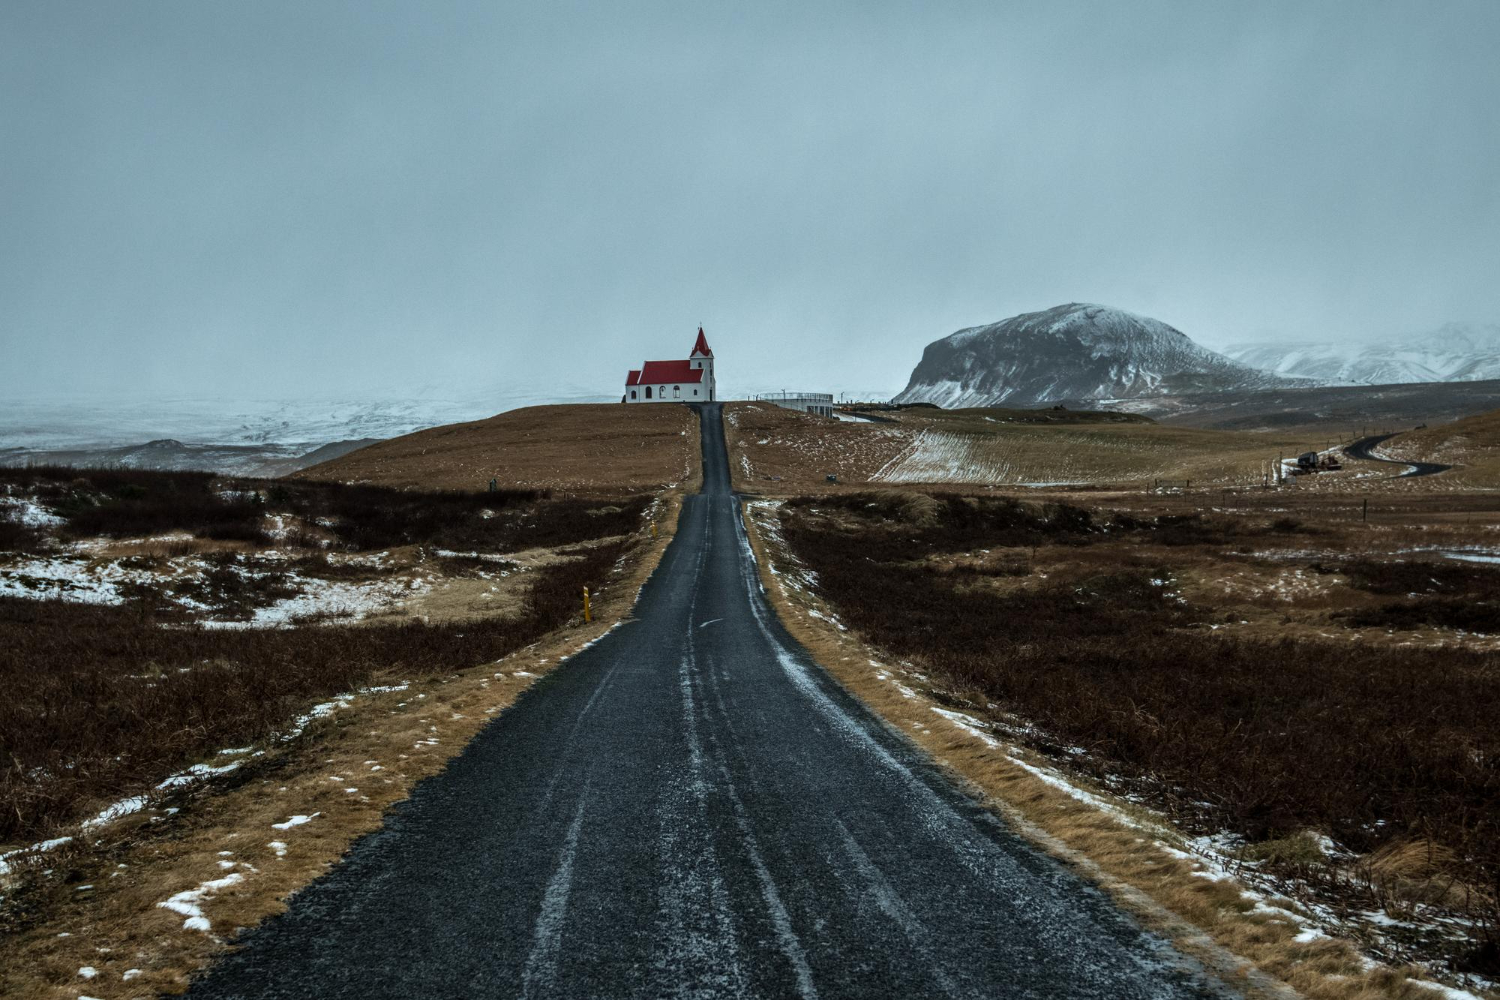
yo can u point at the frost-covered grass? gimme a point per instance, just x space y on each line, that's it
133 503
125 660
100 701
233 553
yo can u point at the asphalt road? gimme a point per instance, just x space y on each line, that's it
1364 449
691 808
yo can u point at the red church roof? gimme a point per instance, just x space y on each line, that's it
663 372
701 345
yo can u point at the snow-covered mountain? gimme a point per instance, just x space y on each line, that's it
1455 352
1073 352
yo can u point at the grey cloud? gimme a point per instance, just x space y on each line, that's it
304 199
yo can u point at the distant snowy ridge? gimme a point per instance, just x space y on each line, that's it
240 437
1455 352
1074 351
89 422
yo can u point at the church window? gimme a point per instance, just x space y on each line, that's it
648 392
632 393
676 391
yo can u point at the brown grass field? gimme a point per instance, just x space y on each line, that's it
1257 670
783 452
1471 445
1312 663
1134 853
105 701
347 768
604 448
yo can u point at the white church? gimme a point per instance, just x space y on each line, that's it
690 381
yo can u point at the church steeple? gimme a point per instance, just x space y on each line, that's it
700 346
703 358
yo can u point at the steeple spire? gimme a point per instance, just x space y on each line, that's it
700 346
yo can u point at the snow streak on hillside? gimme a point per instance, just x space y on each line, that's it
1019 458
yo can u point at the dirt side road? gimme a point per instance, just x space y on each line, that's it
691 808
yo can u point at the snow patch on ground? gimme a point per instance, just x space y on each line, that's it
69 578
27 512
109 814
189 903
196 773
330 599
37 848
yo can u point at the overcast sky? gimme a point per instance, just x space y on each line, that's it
313 198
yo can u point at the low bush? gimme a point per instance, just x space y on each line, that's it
18 537
1266 737
121 503
1461 613
320 567
231 587
100 701
1402 578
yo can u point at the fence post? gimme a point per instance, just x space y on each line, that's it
588 613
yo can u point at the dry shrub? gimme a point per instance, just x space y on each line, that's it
233 588
18 537
913 508
1398 577
473 566
99 701
1407 873
1412 860
121 503
1267 738
1298 849
320 567
1461 613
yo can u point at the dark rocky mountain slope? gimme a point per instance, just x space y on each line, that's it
1075 352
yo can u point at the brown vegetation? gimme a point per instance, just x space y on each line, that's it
589 448
1079 623
100 699
1472 445
344 771
779 451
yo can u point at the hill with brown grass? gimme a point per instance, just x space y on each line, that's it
588 448
1471 445
777 450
